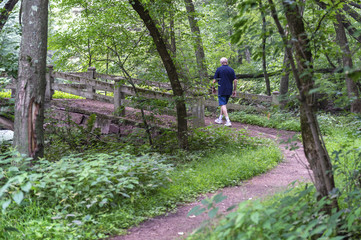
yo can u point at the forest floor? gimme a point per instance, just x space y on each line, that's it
177 225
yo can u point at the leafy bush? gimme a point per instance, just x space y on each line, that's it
85 196
297 215
5 94
80 182
63 95
65 136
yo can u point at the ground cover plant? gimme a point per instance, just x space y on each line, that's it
297 214
91 195
5 94
271 119
56 95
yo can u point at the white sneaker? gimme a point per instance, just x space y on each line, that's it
218 121
228 124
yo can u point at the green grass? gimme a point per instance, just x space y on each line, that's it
276 120
219 158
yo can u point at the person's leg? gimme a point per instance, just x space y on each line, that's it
222 101
224 111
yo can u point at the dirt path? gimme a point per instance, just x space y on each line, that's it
177 225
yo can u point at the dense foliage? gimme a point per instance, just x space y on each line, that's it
80 195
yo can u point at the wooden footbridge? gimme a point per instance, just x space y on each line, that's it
115 99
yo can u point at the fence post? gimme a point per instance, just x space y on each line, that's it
49 84
91 75
275 98
198 112
119 108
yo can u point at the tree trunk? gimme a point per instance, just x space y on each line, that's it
285 78
5 12
171 71
248 55
198 44
30 91
264 38
314 147
173 45
352 89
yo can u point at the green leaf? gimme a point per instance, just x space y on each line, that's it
11 229
213 212
18 197
6 204
26 187
255 217
219 198
197 210
13 169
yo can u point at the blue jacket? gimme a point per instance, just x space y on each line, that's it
225 76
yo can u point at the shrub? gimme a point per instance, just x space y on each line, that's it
294 216
63 95
5 94
78 182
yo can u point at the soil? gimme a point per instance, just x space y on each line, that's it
176 225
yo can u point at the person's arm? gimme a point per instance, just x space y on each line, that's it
234 88
216 75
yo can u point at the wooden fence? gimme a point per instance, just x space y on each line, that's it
93 85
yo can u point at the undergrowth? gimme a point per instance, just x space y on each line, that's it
94 194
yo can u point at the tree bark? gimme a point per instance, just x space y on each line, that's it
248 54
264 38
285 78
314 147
198 44
30 91
352 89
4 14
171 71
173 45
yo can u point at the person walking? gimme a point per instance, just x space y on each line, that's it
227 85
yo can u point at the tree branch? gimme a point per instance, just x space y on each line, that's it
4 15
356 5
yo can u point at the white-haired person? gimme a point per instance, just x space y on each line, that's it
227 85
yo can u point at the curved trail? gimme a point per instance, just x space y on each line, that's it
177 225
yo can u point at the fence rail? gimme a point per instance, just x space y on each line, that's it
93 85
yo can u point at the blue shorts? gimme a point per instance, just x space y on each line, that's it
223 99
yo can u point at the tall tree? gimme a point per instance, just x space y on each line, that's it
264 38
284 82
29 103
170 68
352 89
197 38
340 24
5 12
315 150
